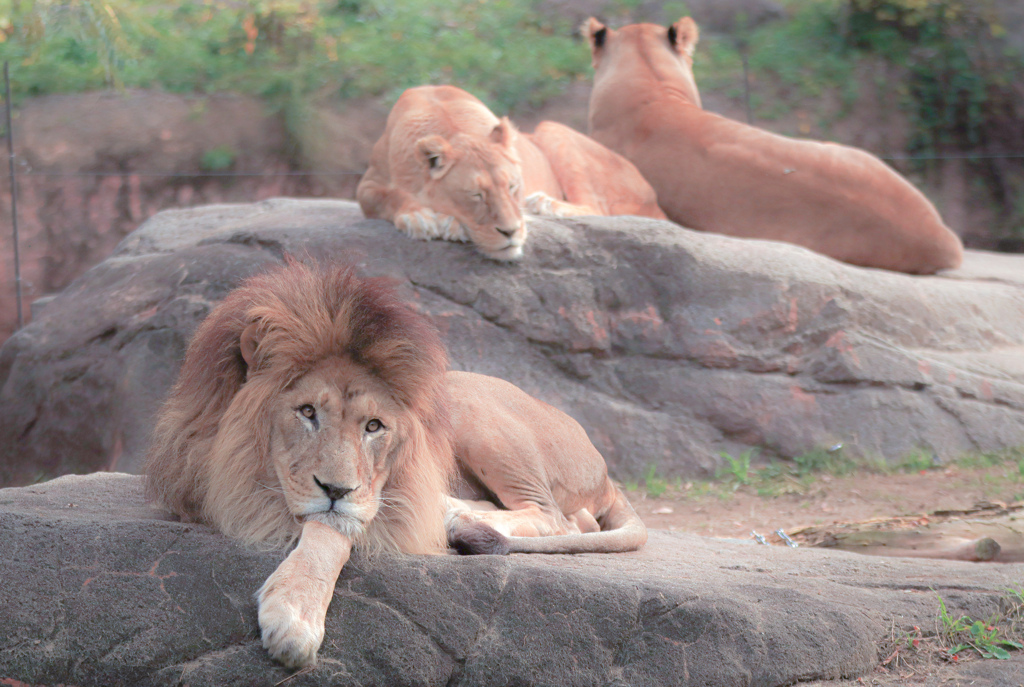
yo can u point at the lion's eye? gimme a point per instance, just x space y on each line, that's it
308 411
374 425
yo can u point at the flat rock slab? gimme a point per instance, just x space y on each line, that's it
668 345
100 589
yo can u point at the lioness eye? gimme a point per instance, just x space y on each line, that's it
308 411
374 425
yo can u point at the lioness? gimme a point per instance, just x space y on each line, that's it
446 167
716 174
315 405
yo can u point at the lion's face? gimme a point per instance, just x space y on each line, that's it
479 183
334 431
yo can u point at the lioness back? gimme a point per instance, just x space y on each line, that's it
716 174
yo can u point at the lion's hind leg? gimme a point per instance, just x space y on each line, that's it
584 521
481 527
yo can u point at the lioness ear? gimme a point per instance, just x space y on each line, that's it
683 36
504 133
595 32
436 154
248 343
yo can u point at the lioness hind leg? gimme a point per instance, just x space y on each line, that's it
540 203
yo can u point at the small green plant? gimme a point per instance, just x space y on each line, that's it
962 634
738 469
830 460
916 461
218 159
656 486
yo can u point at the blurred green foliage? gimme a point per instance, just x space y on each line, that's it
961 74
502 50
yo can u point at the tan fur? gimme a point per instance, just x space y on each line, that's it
539 466
293 602
211 456
716 174
312 401
446 167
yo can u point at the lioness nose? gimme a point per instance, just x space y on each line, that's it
333 491
507 233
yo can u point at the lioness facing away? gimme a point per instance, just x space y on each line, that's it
446 167
716 174
314 405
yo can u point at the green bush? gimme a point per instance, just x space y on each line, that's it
502 50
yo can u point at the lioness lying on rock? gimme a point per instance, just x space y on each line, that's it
716 174
446 167
315 406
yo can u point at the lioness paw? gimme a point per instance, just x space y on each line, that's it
540 203
426 224
289 635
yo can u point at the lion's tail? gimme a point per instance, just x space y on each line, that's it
621 530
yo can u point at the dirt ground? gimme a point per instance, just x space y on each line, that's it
716 510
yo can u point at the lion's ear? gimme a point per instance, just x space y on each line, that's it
248 342
596 33
436 154
683 36
504 133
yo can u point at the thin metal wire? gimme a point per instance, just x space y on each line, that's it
346 173
155 173
14 192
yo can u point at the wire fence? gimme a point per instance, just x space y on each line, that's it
200 174
20 168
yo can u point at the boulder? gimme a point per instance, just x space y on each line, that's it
668 345
101 589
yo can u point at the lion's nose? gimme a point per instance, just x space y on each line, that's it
333 491
507 233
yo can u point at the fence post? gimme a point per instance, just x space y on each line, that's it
14 192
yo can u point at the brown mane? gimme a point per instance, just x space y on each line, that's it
210 454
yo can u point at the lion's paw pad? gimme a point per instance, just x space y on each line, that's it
287 637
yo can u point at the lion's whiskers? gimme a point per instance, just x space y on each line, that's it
277 489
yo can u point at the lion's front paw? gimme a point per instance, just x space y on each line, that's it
427 224
289 634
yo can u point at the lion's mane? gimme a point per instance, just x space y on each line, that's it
209 459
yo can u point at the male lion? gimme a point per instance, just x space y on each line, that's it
716 174
446 167
314 405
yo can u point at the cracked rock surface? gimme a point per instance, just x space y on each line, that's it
668 345
101 589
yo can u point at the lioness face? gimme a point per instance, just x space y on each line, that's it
334 431
479 183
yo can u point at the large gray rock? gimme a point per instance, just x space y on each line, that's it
668 345
100 589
